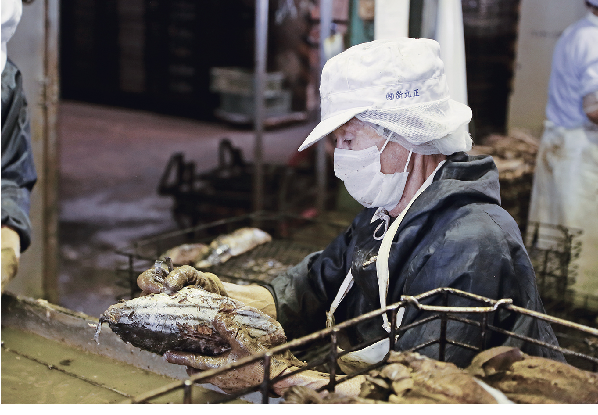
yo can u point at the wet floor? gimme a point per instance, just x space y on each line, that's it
111 161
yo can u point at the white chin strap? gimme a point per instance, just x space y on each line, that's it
382 213
384 253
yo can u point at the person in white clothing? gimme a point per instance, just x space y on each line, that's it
565 188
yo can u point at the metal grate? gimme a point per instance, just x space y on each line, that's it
442 314
263 263
553 250
293 238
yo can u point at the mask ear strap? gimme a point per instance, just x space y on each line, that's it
408 160
385 143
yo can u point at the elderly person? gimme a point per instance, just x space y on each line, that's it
432 214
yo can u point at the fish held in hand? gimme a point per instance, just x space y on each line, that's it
184 321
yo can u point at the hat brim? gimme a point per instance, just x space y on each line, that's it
328 125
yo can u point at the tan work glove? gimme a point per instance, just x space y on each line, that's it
162 281
242 345
11 251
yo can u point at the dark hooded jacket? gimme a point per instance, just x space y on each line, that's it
18 169
454 235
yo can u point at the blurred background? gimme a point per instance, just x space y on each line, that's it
144 117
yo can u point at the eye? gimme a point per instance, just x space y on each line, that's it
345 143
340 139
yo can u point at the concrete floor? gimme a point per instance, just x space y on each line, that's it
111 161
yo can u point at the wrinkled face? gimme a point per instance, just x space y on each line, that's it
357 135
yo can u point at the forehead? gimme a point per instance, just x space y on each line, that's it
354 125
357 135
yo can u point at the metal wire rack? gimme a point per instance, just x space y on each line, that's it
553 250
443 314
293 238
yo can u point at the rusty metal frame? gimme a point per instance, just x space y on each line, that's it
147 250
445 313
548 244
134 252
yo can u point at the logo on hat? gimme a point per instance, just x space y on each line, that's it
402 94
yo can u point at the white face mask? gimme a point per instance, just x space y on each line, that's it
360 171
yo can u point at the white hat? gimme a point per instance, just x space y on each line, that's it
11 14
398 84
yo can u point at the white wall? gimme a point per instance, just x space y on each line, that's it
541 23
391 19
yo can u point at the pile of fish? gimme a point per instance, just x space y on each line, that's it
514 154
184 320
499 375
220 249
515 159
529 379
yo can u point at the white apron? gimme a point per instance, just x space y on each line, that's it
359 359
565 192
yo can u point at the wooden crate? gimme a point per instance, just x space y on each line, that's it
241 81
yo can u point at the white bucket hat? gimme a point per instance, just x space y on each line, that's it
11 14
397 84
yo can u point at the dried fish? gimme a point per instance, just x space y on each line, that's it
226 246
187 254
306 395
499 375
410 378
425 380
184 321
529 379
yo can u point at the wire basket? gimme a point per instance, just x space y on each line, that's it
584 359
553 250
293 238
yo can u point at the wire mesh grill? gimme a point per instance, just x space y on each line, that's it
553 250
293 238
263 263
441 314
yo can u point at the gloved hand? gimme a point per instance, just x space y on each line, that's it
159 280
242 345
11 249
10 265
